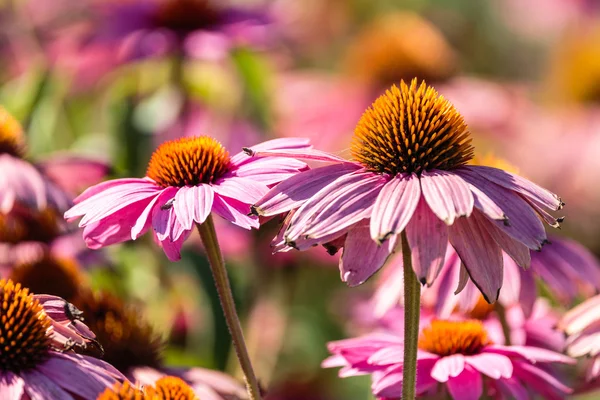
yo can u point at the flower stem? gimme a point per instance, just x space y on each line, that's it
412 309
217 265
501 311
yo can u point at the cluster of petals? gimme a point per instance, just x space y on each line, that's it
123 209
565 266
582 324
479 210
509 372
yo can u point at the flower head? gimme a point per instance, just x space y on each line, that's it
35 358
409 174
186 180
21 182
166 388
457 354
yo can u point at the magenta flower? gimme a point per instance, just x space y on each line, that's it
582 324
187 179
410 175
36 361
457 354
20 181
568 268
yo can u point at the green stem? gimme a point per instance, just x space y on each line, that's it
217 265
501 311
412 309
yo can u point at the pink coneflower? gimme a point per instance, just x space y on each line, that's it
409 174
20 181
566 267
36 361
186 180
166 388
582 324
457 354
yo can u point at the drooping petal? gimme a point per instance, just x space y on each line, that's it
342 203
428 239
172 248
79 381
447 194
495 366
241 189
523 223
38 387
193 204
292 192
448 367
362 257
302 154
235 212
103 186
541 381
480 254
394 206
143 221
513 182
532 354
268 170
269 145
11 386
515 249
466 386
486 205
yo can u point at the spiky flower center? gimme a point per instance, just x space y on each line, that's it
188 162
186 15
25 225
122 391
411 129
166 388
454 337
12 139
128 340
24 342
50 275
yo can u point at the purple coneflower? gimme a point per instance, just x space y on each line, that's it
187 179
457 354
20 181
409 174
37 334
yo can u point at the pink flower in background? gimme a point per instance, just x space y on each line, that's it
457 354
204 29
565 266
36 360
582 324
418 184
186 180
21 181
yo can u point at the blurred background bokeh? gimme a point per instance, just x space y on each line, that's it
98 84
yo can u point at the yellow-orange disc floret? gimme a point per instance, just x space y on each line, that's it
454 337
411 129
122 391
171 388
12 139
24 342
188 162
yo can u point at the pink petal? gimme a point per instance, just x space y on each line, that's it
480 254
38 387
71 377
446 299
172 248
523 223
74 173
115 228
514 388
269 170
344 202
466 386
486 205
394 206
11 386
302 154
447 194
162 221
428 239
193 204
520 185
143 221
448 367
292 192
274 144
495 366
543 382
362 257
515 249
101 187
240 189
532 354
235 212
511 286
581 316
